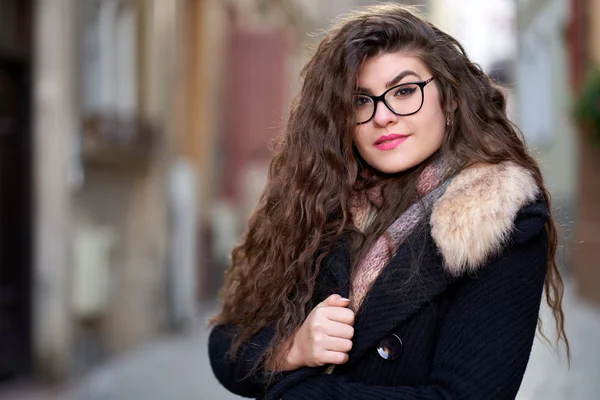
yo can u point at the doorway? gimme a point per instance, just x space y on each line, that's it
15 190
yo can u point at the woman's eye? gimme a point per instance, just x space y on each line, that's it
361 101
404 91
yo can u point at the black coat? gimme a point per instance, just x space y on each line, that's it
464 337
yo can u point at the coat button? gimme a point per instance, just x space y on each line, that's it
390 347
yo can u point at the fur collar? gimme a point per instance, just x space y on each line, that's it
473 219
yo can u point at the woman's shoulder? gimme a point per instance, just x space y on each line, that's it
483 208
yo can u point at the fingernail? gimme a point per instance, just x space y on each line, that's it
344 299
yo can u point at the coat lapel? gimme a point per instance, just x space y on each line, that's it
391 300
334 277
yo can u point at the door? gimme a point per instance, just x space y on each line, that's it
15 189
15 224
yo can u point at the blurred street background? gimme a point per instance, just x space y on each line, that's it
134 143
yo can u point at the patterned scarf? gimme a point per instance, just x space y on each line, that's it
363 206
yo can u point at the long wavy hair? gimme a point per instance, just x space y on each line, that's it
316 169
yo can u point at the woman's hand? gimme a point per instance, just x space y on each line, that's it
324 337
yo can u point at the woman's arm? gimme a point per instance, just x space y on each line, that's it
324 338
485 343
235 374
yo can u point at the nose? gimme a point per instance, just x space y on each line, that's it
383 115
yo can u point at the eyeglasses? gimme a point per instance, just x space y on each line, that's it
404 99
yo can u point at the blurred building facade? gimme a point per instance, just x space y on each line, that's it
583 37
486 29
542 74
94 183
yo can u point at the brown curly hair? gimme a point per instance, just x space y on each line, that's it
315 169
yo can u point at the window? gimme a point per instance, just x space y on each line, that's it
109 59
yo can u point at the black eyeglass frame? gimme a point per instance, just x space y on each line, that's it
381 97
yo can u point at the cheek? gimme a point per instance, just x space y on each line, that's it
438 131
434 121
359 138
432 125
438 125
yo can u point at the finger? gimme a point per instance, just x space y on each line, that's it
335 300
335 357
340 330
340 302
338 344
339 314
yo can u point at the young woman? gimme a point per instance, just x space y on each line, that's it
403 242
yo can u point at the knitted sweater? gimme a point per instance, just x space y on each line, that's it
465 327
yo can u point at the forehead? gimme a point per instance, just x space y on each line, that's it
377 71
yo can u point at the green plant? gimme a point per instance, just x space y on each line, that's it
586 109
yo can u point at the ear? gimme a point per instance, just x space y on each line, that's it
450 115
451 106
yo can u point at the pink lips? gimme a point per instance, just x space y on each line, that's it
389 142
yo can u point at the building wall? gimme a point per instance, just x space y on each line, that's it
54 127
124 209
594 30
542 74
543 109
586 52
485 29
105 278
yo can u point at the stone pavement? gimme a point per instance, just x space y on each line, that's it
27 390
178 368
548 377
171 368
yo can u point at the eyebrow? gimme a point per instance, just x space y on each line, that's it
393 82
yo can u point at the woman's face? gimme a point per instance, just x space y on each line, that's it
388 142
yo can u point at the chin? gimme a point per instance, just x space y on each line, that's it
395 169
